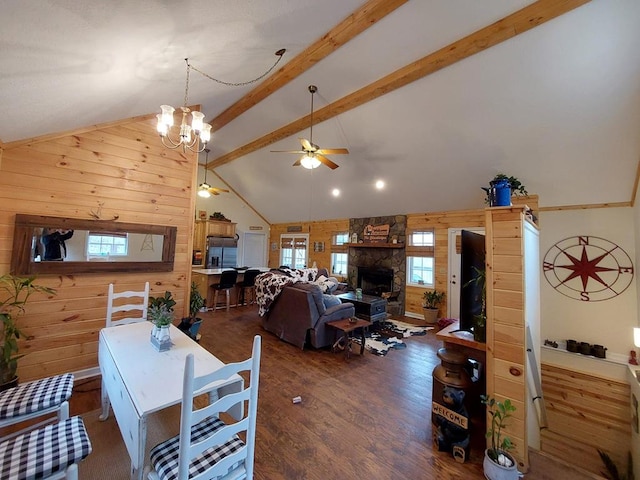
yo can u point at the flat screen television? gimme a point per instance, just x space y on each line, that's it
472 259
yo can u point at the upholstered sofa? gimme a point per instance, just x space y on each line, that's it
300 312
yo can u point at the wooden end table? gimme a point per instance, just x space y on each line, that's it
346 326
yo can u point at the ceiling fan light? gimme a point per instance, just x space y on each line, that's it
309 162
203 190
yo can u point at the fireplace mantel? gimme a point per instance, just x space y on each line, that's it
375 245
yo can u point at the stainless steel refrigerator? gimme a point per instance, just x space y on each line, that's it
221 252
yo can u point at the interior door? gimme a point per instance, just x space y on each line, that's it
253 250
453 293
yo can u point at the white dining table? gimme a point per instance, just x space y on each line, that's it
138 380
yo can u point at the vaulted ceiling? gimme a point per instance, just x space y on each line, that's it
434 97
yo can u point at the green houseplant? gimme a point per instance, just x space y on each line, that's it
431 300
480 320
196 302
498 464
14 294
516 186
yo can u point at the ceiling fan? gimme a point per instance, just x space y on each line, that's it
205 190
312 154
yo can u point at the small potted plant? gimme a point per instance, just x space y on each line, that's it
196 302
160 313
14 294
502 188
480 319
431 302
498 463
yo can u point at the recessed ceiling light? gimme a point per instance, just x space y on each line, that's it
380 184
335 192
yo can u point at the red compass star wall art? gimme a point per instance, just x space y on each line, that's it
588 268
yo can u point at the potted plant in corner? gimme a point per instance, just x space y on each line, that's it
196 302
431 302
498 463
14 294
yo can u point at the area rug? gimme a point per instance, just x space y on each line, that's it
388 337
379 344
404 329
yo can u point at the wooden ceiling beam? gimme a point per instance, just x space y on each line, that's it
508 27
367 15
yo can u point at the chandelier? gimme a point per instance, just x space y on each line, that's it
195 136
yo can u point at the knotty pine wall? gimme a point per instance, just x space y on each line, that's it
440 222
120 169
322 231
585 413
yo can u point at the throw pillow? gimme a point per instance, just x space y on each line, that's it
330 300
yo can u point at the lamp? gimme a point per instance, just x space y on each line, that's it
198 130
201 131
203 189
310 161
636 336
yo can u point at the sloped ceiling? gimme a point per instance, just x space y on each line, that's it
557 106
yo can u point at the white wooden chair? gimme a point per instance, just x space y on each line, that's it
207 447
114 306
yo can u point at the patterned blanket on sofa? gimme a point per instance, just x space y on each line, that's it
270 284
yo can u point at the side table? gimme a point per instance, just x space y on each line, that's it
346 326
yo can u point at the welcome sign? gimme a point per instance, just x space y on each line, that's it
376 234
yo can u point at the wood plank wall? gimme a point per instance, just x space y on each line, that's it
585 413
440 222
506 368
322 231
120 169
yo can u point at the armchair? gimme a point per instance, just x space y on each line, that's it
299 316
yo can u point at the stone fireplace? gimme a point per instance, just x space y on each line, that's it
380 268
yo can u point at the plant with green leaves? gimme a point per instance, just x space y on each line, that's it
480 319
499 412
167 301
14 294
196 301
432 298
160 315
517 188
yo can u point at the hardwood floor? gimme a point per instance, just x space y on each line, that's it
368 417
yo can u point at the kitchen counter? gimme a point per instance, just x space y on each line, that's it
210 276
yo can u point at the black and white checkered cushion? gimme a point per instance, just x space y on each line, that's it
43 452
35 396
164 456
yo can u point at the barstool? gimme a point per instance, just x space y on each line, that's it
248 282
227 282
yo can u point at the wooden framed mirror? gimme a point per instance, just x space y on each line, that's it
56 245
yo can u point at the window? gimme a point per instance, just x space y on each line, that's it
293 250
105 243
339 253
420 261
340 238
339 264
420 271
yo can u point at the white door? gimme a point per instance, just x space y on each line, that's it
253 252
453 293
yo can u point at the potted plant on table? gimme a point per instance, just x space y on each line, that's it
431 302
14 294
480 319
498 463
161 315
